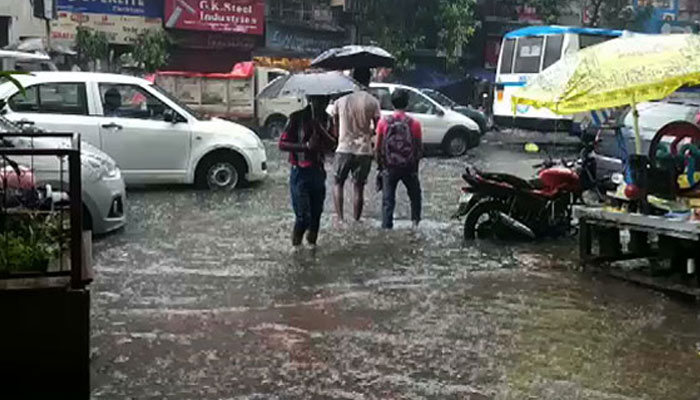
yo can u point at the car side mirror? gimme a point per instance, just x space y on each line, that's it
171 116
439 112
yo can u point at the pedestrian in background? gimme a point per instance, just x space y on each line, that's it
307 138
355 116
398 151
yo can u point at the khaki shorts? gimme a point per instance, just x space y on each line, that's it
358 165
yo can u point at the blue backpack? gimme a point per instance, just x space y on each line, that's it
399 146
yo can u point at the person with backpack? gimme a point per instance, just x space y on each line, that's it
398 151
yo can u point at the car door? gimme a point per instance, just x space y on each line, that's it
426 112
135 132
56 107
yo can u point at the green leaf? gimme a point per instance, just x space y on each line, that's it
9 75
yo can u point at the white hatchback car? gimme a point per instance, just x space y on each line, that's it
442 127
151 135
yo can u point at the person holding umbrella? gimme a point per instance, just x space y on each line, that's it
307 138
355 117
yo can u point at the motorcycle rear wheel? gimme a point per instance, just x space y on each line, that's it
476 227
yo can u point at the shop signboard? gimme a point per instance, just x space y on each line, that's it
302 41
141 8
229 16
120 29
214 41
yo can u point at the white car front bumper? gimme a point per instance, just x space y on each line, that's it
257 164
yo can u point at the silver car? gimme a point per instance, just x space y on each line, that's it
103 186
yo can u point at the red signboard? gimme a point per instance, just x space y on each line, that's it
233 16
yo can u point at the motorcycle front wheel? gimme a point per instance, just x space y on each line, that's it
482 221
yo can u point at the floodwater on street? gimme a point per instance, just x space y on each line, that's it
201 297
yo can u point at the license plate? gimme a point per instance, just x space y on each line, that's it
465 198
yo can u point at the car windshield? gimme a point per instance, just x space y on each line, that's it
439 97
198 115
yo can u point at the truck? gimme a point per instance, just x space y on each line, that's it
233 95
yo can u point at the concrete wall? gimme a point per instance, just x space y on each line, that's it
23 23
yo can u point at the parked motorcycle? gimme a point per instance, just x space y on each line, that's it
505 206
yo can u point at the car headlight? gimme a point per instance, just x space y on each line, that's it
100 167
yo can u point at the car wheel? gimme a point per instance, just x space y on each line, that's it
274 126
456 143
220 172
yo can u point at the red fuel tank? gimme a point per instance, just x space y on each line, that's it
559 179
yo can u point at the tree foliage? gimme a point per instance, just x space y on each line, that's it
458 25
8 76
403 26
549 10
91 46
616 14
151 50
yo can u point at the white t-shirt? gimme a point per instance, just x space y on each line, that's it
356 113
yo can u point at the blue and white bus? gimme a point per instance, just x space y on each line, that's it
525 53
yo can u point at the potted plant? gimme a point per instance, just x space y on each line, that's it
32 241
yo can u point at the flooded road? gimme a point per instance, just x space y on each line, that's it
201 297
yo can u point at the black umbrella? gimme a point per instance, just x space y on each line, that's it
352 57
315 84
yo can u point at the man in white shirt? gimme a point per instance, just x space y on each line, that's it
355 116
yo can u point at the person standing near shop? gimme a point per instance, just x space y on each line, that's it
399 150
307 138
355 116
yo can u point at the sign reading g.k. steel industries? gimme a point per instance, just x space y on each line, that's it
140 8
233 16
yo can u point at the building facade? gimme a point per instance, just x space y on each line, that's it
671 16
689 10
212 35
498 17
18 21
299 30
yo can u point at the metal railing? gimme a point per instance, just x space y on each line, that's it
30 207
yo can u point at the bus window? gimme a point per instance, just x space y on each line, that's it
528 55
591 40
552 52
507 59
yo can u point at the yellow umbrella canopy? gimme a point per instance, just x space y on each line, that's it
616 73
